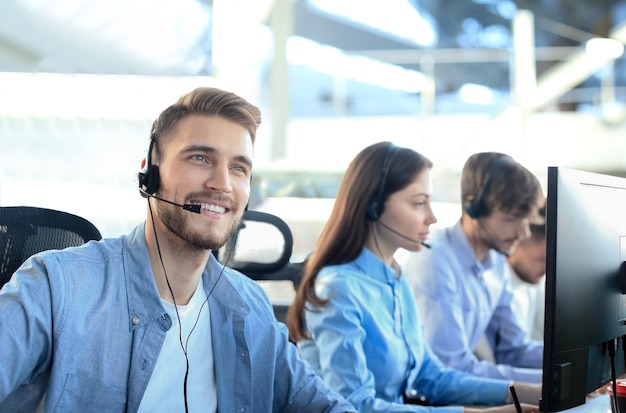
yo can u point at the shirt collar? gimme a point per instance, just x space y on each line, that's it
463 250
144 301
372 266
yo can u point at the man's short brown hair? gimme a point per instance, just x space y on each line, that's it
501 183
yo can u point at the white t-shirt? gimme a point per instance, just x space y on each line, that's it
165 389
529 308
528 305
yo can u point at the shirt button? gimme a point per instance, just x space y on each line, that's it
135 320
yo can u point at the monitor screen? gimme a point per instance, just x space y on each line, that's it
585 309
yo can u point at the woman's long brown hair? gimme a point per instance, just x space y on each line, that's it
348 227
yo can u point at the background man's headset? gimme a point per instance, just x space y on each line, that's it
476 207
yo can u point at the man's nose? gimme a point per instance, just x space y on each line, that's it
219 179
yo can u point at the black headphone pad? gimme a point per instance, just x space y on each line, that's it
376 206
476 208
149 180
473 209
374 210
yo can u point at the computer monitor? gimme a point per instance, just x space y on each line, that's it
585 309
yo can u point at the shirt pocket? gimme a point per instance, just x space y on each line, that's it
85 394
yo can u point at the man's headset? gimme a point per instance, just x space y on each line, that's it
149 181
148 178
476 207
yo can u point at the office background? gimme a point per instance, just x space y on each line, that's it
81 82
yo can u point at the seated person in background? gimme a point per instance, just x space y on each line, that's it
151 321
528 262
462 285
354 317
528 265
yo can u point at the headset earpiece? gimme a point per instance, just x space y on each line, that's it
375 208
470 208
475 207
148 178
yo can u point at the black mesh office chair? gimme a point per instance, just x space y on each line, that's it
26 230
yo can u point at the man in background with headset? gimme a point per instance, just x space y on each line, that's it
151 321
462 283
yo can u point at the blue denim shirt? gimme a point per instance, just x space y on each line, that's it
368 344
85 325
471 299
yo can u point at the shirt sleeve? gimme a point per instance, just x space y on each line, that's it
462 387
304 389
25 353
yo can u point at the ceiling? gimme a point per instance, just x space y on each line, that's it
475 41
105 37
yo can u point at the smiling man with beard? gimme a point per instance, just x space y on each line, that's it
151 321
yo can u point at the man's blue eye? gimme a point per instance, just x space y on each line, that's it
241 169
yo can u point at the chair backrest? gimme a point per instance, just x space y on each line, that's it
26 230
262 245
261 249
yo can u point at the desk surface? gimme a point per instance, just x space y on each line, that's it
595 404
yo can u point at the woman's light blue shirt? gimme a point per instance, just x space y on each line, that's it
369 346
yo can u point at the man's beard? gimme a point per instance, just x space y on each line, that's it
176 223
498 246
494 243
